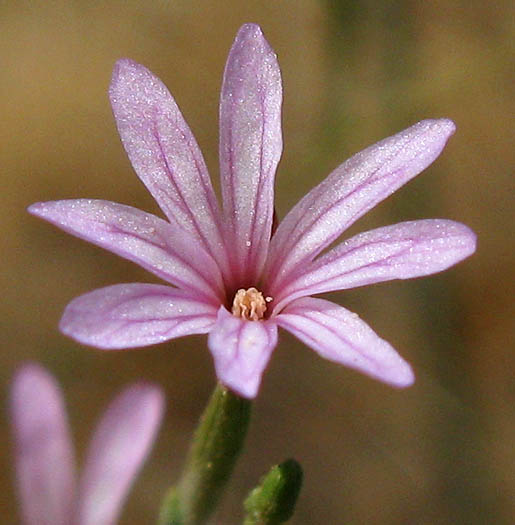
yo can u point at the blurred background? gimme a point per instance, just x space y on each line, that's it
354 72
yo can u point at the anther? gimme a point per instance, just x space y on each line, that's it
249 304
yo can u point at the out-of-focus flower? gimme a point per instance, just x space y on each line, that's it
233 277
49 491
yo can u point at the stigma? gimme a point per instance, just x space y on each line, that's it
249 304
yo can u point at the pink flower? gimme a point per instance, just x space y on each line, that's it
232 276
45 464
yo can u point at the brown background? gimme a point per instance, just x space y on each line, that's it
440 452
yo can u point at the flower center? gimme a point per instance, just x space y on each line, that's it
249 304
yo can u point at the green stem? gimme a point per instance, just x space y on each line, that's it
215 448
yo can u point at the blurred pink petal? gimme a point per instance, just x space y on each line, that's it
129 315
250 148
241 350
44 456
232 261
117 451
341 336
45 466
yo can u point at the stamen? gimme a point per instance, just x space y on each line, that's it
249 304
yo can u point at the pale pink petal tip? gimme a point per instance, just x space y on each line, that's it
447 126
37 209
470 241
434 136
436 128
250 30
401 376
124 66
125 72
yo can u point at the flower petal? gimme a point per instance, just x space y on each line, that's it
118 449
350 191
164 153
341 336
241 350
401 251
170 253
132 315
250 148
45 465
